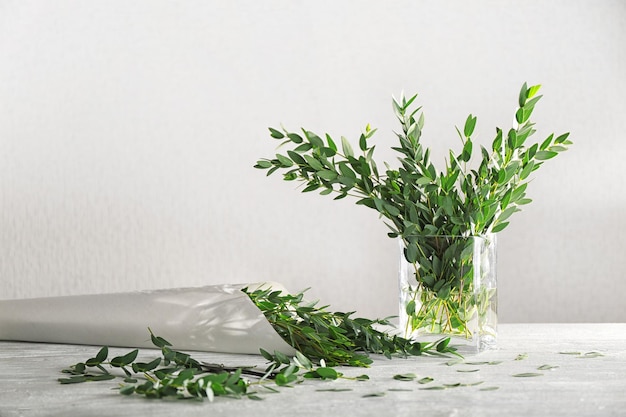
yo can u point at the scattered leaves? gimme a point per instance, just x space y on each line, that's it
334 389
177 375
547 367
374 394
472 384
592 355
404 377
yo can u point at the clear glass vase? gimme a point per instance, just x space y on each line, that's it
448 288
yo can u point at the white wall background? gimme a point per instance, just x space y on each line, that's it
128 131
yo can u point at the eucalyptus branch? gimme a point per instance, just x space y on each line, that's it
415 197
321 339
333 337
177 375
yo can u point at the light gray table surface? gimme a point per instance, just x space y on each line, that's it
580 385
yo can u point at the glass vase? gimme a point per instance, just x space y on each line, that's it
448 289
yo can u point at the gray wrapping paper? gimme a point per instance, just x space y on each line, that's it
218 318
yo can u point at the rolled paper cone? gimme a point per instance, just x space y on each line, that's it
219 318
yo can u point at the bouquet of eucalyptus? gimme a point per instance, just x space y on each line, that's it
437 215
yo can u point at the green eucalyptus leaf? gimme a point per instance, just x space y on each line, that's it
263 164
530 104
100 377
145 367
544 145
276 134
523 95
346 171
506 214
412 253
101 356
562 138
533 90
313 163
284 161
528 168
158 341
405 377
544 155
499 227
282 380
557 148
592 355
331 143
315 141
470 124
281 357
327 373
392 210
410 308
296 157
547 367
441 346
305 147
334 390
327 175
346 147
363 143
73 379
374 394
124 360
467 151
295 138
127 389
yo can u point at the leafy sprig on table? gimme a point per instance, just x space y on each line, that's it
322 340
177 375
335 337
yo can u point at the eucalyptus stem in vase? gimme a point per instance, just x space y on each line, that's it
446 221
